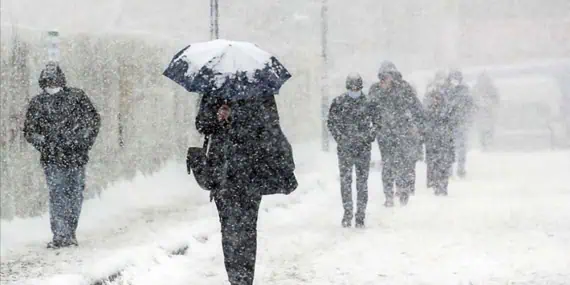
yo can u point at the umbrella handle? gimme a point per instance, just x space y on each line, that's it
206 144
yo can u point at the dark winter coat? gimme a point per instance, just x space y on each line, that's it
62 127
351 121
400 116
253 155
440 126
463 103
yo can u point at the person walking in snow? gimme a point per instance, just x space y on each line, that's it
440 134
458 93
433 92
253 158
487 103
400 130
62 124
351 124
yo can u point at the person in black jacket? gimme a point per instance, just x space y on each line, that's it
459 94
351 125
487 104
400 131
435 88
254 158
62 124
441 124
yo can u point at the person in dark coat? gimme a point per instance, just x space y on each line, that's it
487 102
434 89
440 135
255 159
400 129
458 93
351 124
62 124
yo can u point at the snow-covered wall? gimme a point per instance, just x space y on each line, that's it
146 118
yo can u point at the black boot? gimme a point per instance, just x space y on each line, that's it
54 244
389 203
461 173
73 241
359 221
347 220
404 198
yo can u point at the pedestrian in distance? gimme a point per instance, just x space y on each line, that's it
435 90
440 135
62 124
459 95
486 96
351 124
400 116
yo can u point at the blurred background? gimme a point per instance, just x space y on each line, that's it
117 49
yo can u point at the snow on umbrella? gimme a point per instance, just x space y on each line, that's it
240 69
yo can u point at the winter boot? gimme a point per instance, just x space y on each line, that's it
461 173
359 220
54 244
413 191
404 198
73 242
347 220
440 191
389 201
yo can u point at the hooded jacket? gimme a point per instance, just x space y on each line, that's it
61 126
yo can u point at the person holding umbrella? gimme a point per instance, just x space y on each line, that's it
248 152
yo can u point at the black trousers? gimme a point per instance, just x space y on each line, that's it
358 158
440 162
399 168
238 219
66 186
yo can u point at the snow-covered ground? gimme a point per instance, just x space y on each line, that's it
507 223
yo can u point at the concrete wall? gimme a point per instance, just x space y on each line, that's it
122 76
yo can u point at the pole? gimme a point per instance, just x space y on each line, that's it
325 77
217 20
214 20
211 19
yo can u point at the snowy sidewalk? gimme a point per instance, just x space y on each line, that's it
508 222
163 210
